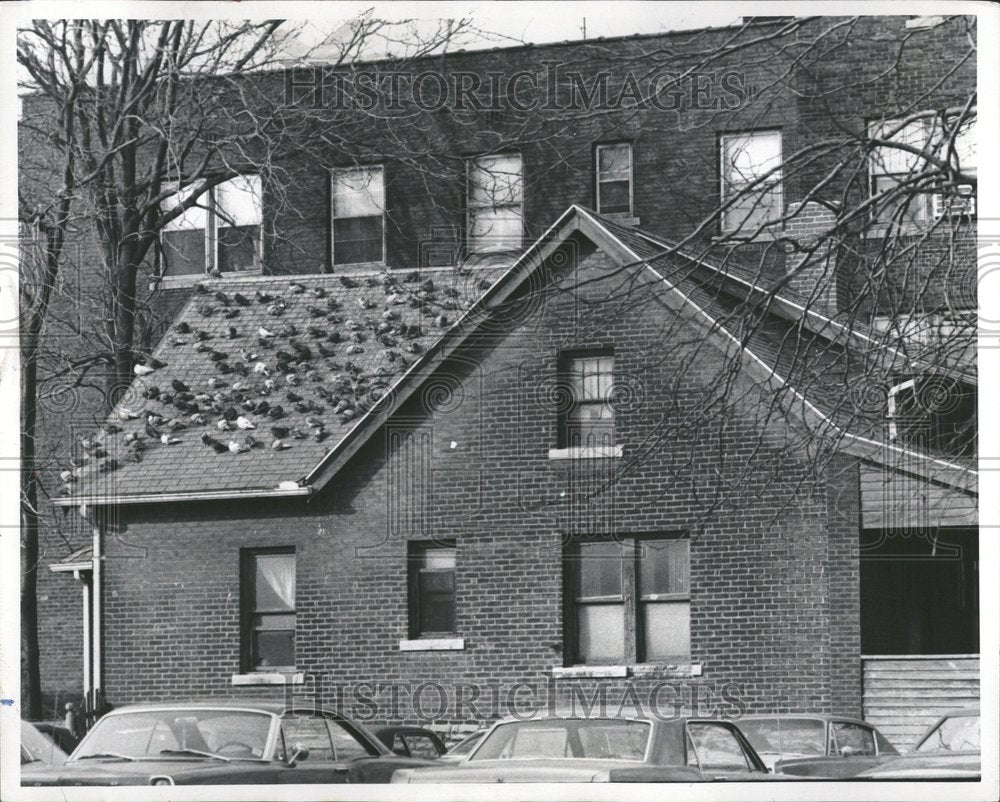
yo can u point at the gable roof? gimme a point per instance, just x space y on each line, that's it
391 335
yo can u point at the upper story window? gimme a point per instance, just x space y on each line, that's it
751 179
432 588
934 412
901 174
358 215
630 600
495 203
268 607
588 417
614 178
221 231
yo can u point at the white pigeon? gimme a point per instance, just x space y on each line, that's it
260 367
270 384
168 440
245 423
236 448
292 379
279 445
143 370
124 413
264 332
223 425
67 476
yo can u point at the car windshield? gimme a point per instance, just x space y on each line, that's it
953 734
164 733
38 747
465 746
608 739
785 736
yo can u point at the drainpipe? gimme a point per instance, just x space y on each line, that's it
85 585
96 629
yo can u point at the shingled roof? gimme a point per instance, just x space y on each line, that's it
262 380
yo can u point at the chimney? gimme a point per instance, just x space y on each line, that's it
814 274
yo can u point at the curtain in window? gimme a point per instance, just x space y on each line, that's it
278 575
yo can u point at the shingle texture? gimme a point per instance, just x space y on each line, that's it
300 359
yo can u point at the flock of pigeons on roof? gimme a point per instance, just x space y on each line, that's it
282 382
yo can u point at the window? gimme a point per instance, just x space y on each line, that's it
495 203
897 173
852 739
358 215
751 179
588 417
221 231
432 589
652 574
935 412
269 609
614 178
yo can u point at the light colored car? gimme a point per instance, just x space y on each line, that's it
554 748
463 748
830 747
949 750
38 749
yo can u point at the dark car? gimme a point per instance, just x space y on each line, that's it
38 748
411 741
556 748
222 743
830 747
949 750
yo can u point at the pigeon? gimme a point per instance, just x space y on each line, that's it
315 311
151 392
414 347
265 333
427 286
450 292
108 465
151 429
276 309
203 335
319 292
279 445
215 273
332 304
263 297
441 321
222 298
270 384
197 419
245 423
236 448
124 413
168 440
313 331
201 288
223 425
292 379
179 386
183 327
314 423
229 314
348 282
67 476
293 397
261 368
142 370
280 432
218 356
296 288
230 414
250 441
355 349
206 310
242 300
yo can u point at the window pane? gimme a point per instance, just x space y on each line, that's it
599 569
495 229
184 252
965 147
238 248
663 566
358 192
239 202
889 159
614 197
858 739
437 559
437 601
495 181
309 732
346 745
667 630
194 217
747 157
274 588
601 630
614 162
717 748
751 209
915 203
274 648
357 239
421 746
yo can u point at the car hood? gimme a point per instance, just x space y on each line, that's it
572 770
929 764
114 771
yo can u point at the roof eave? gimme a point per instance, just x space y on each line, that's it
203 495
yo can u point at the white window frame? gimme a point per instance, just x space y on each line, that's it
775 179
208 202
631 176
380 169
471 166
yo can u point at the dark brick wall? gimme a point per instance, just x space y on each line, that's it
767 533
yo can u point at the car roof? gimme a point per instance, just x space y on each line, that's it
260 705
827 717
402 729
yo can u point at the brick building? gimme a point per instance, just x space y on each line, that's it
632 448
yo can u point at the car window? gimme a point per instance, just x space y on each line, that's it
466 745
310 732
37 745
346 744
717 747
538 742
421 746
614 742
954 734
859 740
884 747
569 738
399 745
786 736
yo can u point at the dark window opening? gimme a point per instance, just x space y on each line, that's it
432 589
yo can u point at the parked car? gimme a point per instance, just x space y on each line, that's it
38 749
830 747
949 750
411 741
554 748
461 750
231 742
60 733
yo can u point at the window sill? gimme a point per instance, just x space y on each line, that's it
171 282
432 645
638 670
269 678
593 452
